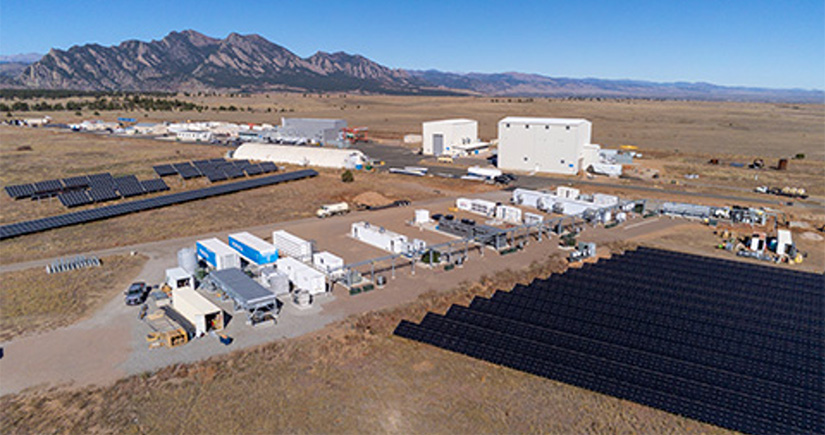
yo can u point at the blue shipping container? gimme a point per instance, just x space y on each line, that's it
205 254
254 255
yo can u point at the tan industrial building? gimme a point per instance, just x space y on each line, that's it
552 145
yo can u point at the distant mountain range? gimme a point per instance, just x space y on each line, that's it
191 61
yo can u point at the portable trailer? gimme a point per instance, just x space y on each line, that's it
247 295
253 249
217 254
477 206
328 263
302 276
292 246
380 237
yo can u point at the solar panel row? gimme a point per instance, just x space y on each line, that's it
129 186
154 185
90 215
164 170
74 198
663 329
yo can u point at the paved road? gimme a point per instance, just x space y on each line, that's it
396 156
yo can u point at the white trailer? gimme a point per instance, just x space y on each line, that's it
302 276
509 214
486 173
477 206
380 237
198 310
292 246
217 254
567 192
328 263
604 200
532 198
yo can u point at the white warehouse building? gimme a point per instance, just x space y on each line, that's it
302 155
554 145
446 136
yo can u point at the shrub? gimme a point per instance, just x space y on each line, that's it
347 176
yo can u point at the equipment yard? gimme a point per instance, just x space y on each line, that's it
282 299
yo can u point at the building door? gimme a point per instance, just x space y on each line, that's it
438 144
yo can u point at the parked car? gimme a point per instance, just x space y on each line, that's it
136 293
445 159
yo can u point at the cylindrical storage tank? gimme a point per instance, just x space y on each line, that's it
188 260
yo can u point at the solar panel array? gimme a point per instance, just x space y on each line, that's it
110 211
728 343
215 169
72 191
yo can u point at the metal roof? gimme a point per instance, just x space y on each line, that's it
553 121
243 289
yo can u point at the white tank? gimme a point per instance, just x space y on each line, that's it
187 260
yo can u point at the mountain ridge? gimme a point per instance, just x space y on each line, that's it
191 61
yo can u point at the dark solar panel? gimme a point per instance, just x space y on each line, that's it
129 186
252 169
232 171
19 191
165 170
268 167
103 194
215 175
186 170
733 344
218 160
74 198
154 185
80 182
47 186
106 212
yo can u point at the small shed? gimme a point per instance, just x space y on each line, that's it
199 311
177 277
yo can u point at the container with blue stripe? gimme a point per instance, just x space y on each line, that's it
253 249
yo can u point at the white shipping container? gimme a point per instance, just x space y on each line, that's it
379 237
508 214
464 203
291 245
567 192
327 262
604 200
302 276
422 216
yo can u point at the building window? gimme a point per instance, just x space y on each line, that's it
568 127
562 161
525 158
507 125
547 127
526 125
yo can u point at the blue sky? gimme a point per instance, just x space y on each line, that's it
749 43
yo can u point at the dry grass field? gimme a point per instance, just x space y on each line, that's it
352 377
33 301
720 129
260 206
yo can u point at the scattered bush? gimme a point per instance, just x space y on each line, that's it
347 176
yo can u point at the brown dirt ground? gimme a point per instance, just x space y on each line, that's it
747 129
34 301
353 377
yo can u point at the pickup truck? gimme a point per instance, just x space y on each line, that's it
136 293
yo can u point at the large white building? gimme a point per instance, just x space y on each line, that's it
555 145
302 155
443 137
